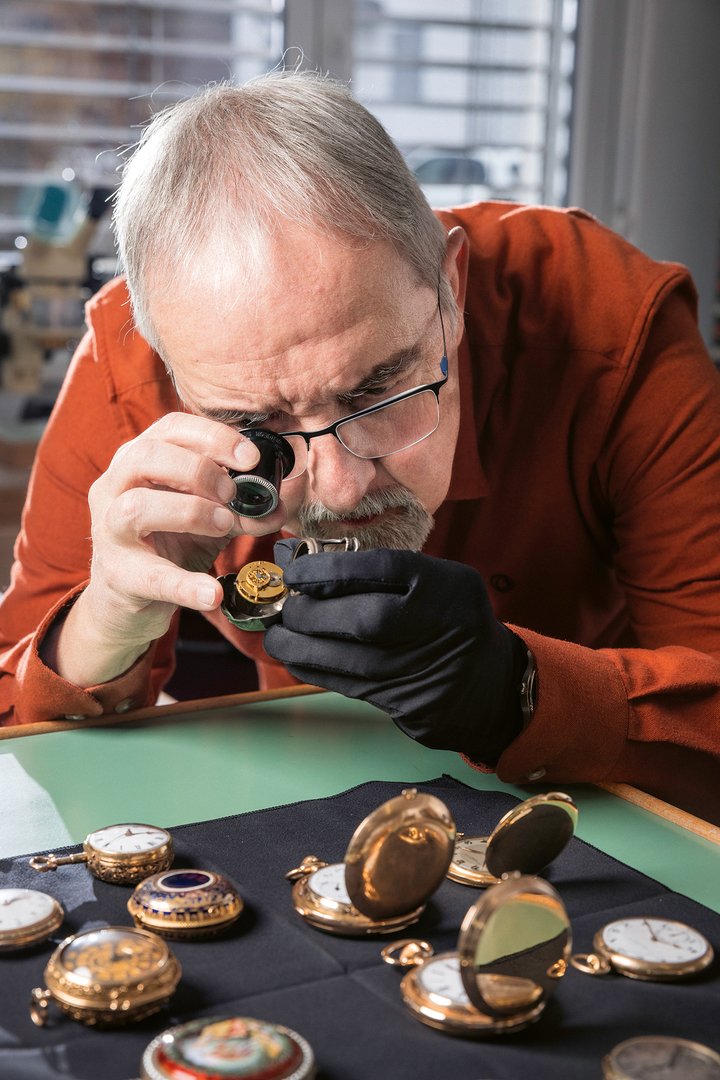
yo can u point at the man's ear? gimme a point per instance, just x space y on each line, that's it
455 266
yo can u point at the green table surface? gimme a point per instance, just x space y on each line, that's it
179 768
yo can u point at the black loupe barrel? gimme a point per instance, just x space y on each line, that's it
257 492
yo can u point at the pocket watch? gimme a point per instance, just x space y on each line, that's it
527 838
396 858
107 976
232 1048
27 917
646 948
253 598
121 854
185 903
661 1057
513 948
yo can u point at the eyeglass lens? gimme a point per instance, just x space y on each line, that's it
392 428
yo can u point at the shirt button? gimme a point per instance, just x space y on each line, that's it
125 705
75 716
537 775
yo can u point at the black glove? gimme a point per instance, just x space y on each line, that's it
413 635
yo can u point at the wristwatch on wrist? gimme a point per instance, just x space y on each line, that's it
528 686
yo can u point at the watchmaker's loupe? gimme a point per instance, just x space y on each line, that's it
257 493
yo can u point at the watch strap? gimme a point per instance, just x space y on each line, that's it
528 688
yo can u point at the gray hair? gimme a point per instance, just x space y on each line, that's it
231 162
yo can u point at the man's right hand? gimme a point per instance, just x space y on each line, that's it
159 520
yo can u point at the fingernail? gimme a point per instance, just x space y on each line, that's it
206 595
246 454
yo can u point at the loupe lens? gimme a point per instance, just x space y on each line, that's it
257 493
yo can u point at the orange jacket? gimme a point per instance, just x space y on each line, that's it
585 489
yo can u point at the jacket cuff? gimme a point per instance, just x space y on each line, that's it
45 695
580 724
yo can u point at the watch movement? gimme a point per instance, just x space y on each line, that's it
107 976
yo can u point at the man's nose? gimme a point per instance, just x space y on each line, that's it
337 478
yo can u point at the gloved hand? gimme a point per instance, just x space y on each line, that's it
414 635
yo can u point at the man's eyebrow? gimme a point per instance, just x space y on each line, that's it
387 369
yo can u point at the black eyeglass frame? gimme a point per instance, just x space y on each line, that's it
332 429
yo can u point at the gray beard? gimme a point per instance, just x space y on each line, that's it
406 527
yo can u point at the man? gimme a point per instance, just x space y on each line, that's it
558 460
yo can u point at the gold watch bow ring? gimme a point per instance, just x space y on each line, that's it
397 857
121 854
253 598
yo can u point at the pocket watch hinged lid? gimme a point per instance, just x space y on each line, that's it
526 839
399 854
514 945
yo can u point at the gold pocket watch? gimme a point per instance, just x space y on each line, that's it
650 1057
513 948
121 854
253 598
185 904
396 858
113 975
649 948
232 1047
526 839
27 917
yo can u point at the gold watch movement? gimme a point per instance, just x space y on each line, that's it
27 917
513 948
107 976
253 598
396 858
526 839
185 904
121 854
649 948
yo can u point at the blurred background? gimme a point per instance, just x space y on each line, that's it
613 105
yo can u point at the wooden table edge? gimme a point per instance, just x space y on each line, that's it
665 810
159 712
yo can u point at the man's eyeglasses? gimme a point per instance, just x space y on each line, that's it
383 429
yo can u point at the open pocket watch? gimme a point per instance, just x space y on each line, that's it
649 948
513 948
27 917
185 904
396 858
253 598
526 839
107 976
121 854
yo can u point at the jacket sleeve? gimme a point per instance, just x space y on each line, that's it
647 715
52 559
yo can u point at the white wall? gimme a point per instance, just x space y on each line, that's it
645 154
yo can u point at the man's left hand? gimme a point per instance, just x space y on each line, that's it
414 635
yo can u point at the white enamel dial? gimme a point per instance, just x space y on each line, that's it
22 909
659 941
329 883
469 853
128 839
440 976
